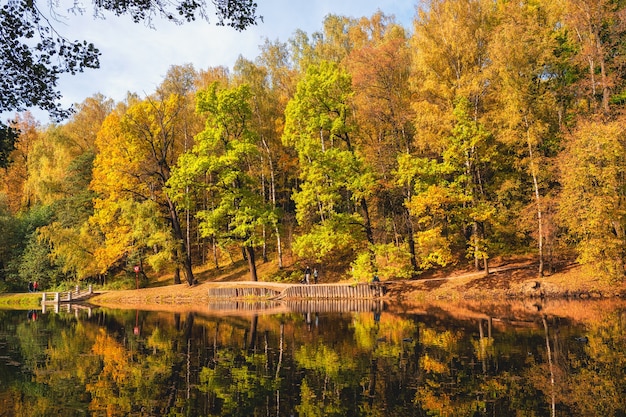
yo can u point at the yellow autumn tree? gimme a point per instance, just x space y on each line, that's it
138 145
592 199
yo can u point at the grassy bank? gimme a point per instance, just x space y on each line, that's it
20 301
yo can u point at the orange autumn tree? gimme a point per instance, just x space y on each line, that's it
15 174
380 66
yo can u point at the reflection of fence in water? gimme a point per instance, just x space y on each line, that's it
75 309
334 306
245 292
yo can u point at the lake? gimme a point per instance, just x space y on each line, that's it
316 359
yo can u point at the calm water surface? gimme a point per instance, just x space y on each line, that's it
315 362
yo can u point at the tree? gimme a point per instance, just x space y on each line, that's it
8 137
592 198
33 54
270 81
450 197
331 204
138 146
60 163
527 114
451 83
380 66
15 169
70 243
222 163
596 28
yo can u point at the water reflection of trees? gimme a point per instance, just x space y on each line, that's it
588 375
133 363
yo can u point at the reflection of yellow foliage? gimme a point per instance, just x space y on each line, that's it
441 404
494 388
437 405
322 359
445 340
376 335
309 406
115 357
115 373
432 365
159 340
396 328
482 346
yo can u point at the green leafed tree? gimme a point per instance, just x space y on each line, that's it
222 165
270 81
336 182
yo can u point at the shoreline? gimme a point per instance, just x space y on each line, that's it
507 284
513 287
507 280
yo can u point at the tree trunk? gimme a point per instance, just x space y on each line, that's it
538 204
215 258
411 240
279 247
476 248
264 253
178 236
486 263
368 224
251 262
606 90
177 275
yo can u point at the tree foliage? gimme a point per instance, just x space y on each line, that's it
362 147
33 53
221 164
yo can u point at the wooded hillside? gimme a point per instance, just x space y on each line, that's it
489 128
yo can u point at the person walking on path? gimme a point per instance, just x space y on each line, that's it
315 275
307 275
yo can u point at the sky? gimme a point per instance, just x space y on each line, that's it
135 58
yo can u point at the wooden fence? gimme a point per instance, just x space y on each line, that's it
66 296
300 291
